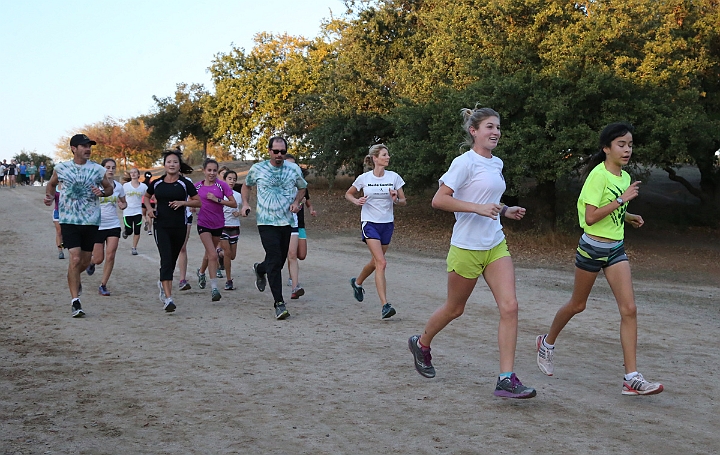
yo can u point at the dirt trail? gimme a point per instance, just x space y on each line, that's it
226 377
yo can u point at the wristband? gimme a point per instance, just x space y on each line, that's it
503 210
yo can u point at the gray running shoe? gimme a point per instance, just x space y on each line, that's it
77 311
162 292
216 295
125 234
134 251
260 280
169 305
61 255
387 311
202 281
544 356
90 269
639 386
358 290
218 274
280 311
422 357
184 285
229 286
512 388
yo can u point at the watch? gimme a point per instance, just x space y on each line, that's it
619 201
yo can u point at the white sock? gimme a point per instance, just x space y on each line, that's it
549 346
629 376
213 283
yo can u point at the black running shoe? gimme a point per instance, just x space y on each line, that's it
260 280
90 269
77 311
357 290
280 311
169 306
387 311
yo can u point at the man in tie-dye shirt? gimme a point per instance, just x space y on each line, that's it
83 182
278 198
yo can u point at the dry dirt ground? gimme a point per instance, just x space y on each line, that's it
226 377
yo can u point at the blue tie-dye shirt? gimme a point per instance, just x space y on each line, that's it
78 204
276 190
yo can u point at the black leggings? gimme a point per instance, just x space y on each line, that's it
169 242
276 242
132 224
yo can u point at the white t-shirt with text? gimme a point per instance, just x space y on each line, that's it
379 205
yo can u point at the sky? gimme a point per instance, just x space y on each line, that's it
65 63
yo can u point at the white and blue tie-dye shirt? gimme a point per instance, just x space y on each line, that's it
276 190
78 204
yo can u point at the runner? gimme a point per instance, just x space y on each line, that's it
30 172
22 171
278 198
214 195
231 231
472 188
132 215
42 169
78 209
12 173
108 234
3 168
602 212
172 192
298 240
382 190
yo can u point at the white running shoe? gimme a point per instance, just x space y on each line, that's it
544 356
639 386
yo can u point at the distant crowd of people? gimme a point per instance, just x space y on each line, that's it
22 173
89 228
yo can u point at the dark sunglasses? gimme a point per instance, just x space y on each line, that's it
282 152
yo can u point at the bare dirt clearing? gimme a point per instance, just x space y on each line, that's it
226 377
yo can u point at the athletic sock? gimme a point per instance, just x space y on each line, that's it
213 283
73 300
507 374
545 343
421 346
629 376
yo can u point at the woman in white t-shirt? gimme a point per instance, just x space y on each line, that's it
231 230
381 190
472 188
133 213
108 234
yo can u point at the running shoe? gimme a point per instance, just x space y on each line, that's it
260 280
184 285
387 311
512 388
297 292
149 231
169 306
229 285
280 311
544 356
146 227
202 282
102 290
134 251
289 282
218 274
61 255
216 295
90 269
422 357
358 290
124 234
77 311
162 292
639 386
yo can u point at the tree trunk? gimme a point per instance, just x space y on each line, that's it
205 143
546 202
